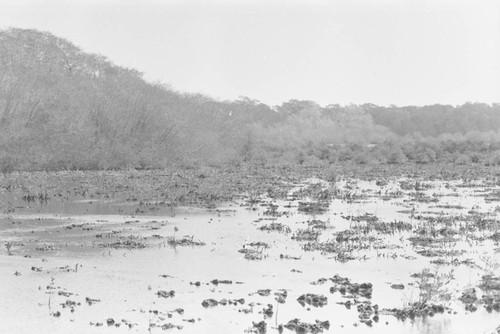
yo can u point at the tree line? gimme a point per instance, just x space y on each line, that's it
62 108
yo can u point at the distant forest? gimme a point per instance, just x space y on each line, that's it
62 108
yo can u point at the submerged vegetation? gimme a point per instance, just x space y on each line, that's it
277 266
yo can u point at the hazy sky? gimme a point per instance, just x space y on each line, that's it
384 52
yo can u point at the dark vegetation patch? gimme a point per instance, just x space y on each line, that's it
355 290
130 242
313 207
276 227
308 234
254 250
313 300
303 327
184 241
415 310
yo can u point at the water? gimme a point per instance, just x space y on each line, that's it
64 235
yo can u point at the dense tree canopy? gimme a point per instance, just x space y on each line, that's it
63 108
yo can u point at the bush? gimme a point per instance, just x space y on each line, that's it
462 159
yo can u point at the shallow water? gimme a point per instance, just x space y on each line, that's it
76 234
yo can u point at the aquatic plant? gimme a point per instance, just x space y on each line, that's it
432 292
184 241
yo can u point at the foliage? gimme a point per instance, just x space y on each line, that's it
62 108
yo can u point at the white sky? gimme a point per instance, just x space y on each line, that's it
384 52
